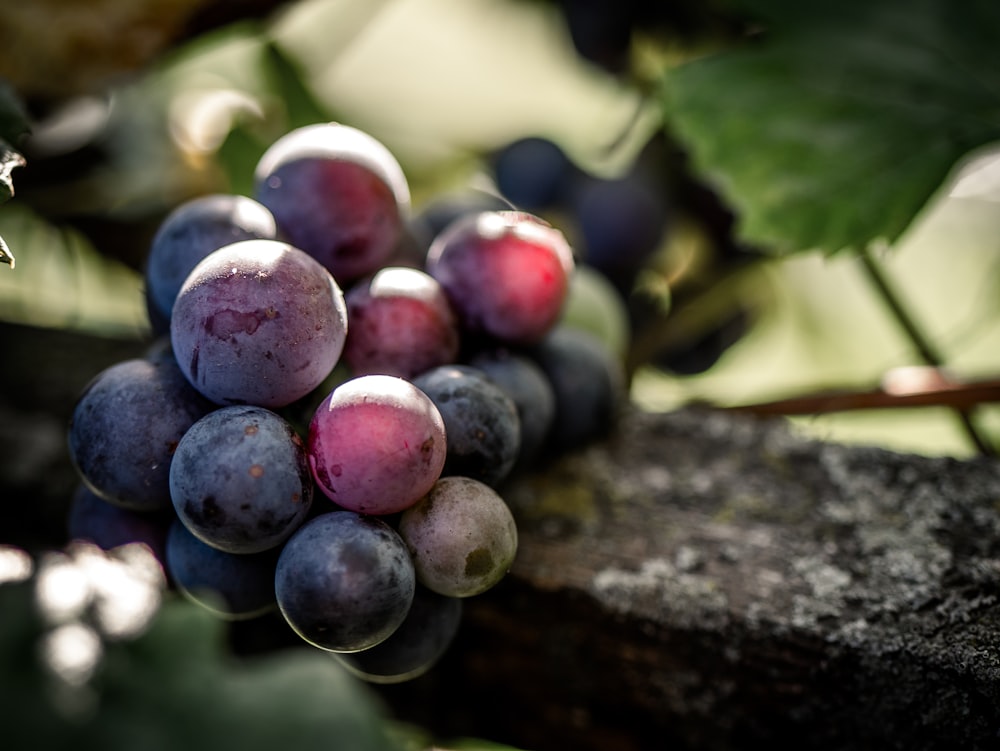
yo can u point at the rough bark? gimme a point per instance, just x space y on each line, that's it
707 581
699 580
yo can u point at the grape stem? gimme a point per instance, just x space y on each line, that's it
921 343
955 395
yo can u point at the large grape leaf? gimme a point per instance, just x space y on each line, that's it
833 127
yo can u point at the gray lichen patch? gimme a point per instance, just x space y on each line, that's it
662 593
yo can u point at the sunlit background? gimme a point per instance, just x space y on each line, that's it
445 83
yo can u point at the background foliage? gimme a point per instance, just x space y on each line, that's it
831 129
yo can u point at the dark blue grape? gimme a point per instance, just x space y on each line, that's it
444 209
414 647
108 526
188 234
345 581
588 382
621 223
533 173
125 428
231 586
526 384
240 479
481 422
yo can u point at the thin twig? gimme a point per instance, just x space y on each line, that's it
927 351
959 397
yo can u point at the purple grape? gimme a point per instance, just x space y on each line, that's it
414 647
188 234
437 214
527 385
462 537
505 272
481 422
234 587
240 480
377 443
108 526
588 382
401 324
125 427
344 581
258 322
338 194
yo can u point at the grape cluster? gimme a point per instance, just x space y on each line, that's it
338 395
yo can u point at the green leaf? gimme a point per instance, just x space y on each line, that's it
63 281
833 127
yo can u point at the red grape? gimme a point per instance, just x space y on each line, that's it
377 443
505 272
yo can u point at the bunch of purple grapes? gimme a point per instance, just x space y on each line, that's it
337 397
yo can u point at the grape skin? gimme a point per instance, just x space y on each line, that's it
621 223
125 427
344 581
505 272
588 382
376 444
108 526
442 210
481 421
233 587
188 234
258 322
401 324
240 480
533 172
528 387
462 537
414 647
338 194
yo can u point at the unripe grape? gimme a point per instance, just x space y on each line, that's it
462 537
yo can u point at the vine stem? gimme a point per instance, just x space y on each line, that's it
921 343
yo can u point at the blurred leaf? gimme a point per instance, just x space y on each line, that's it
176 686
282 82
178 683
288 80
833 127
62 281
